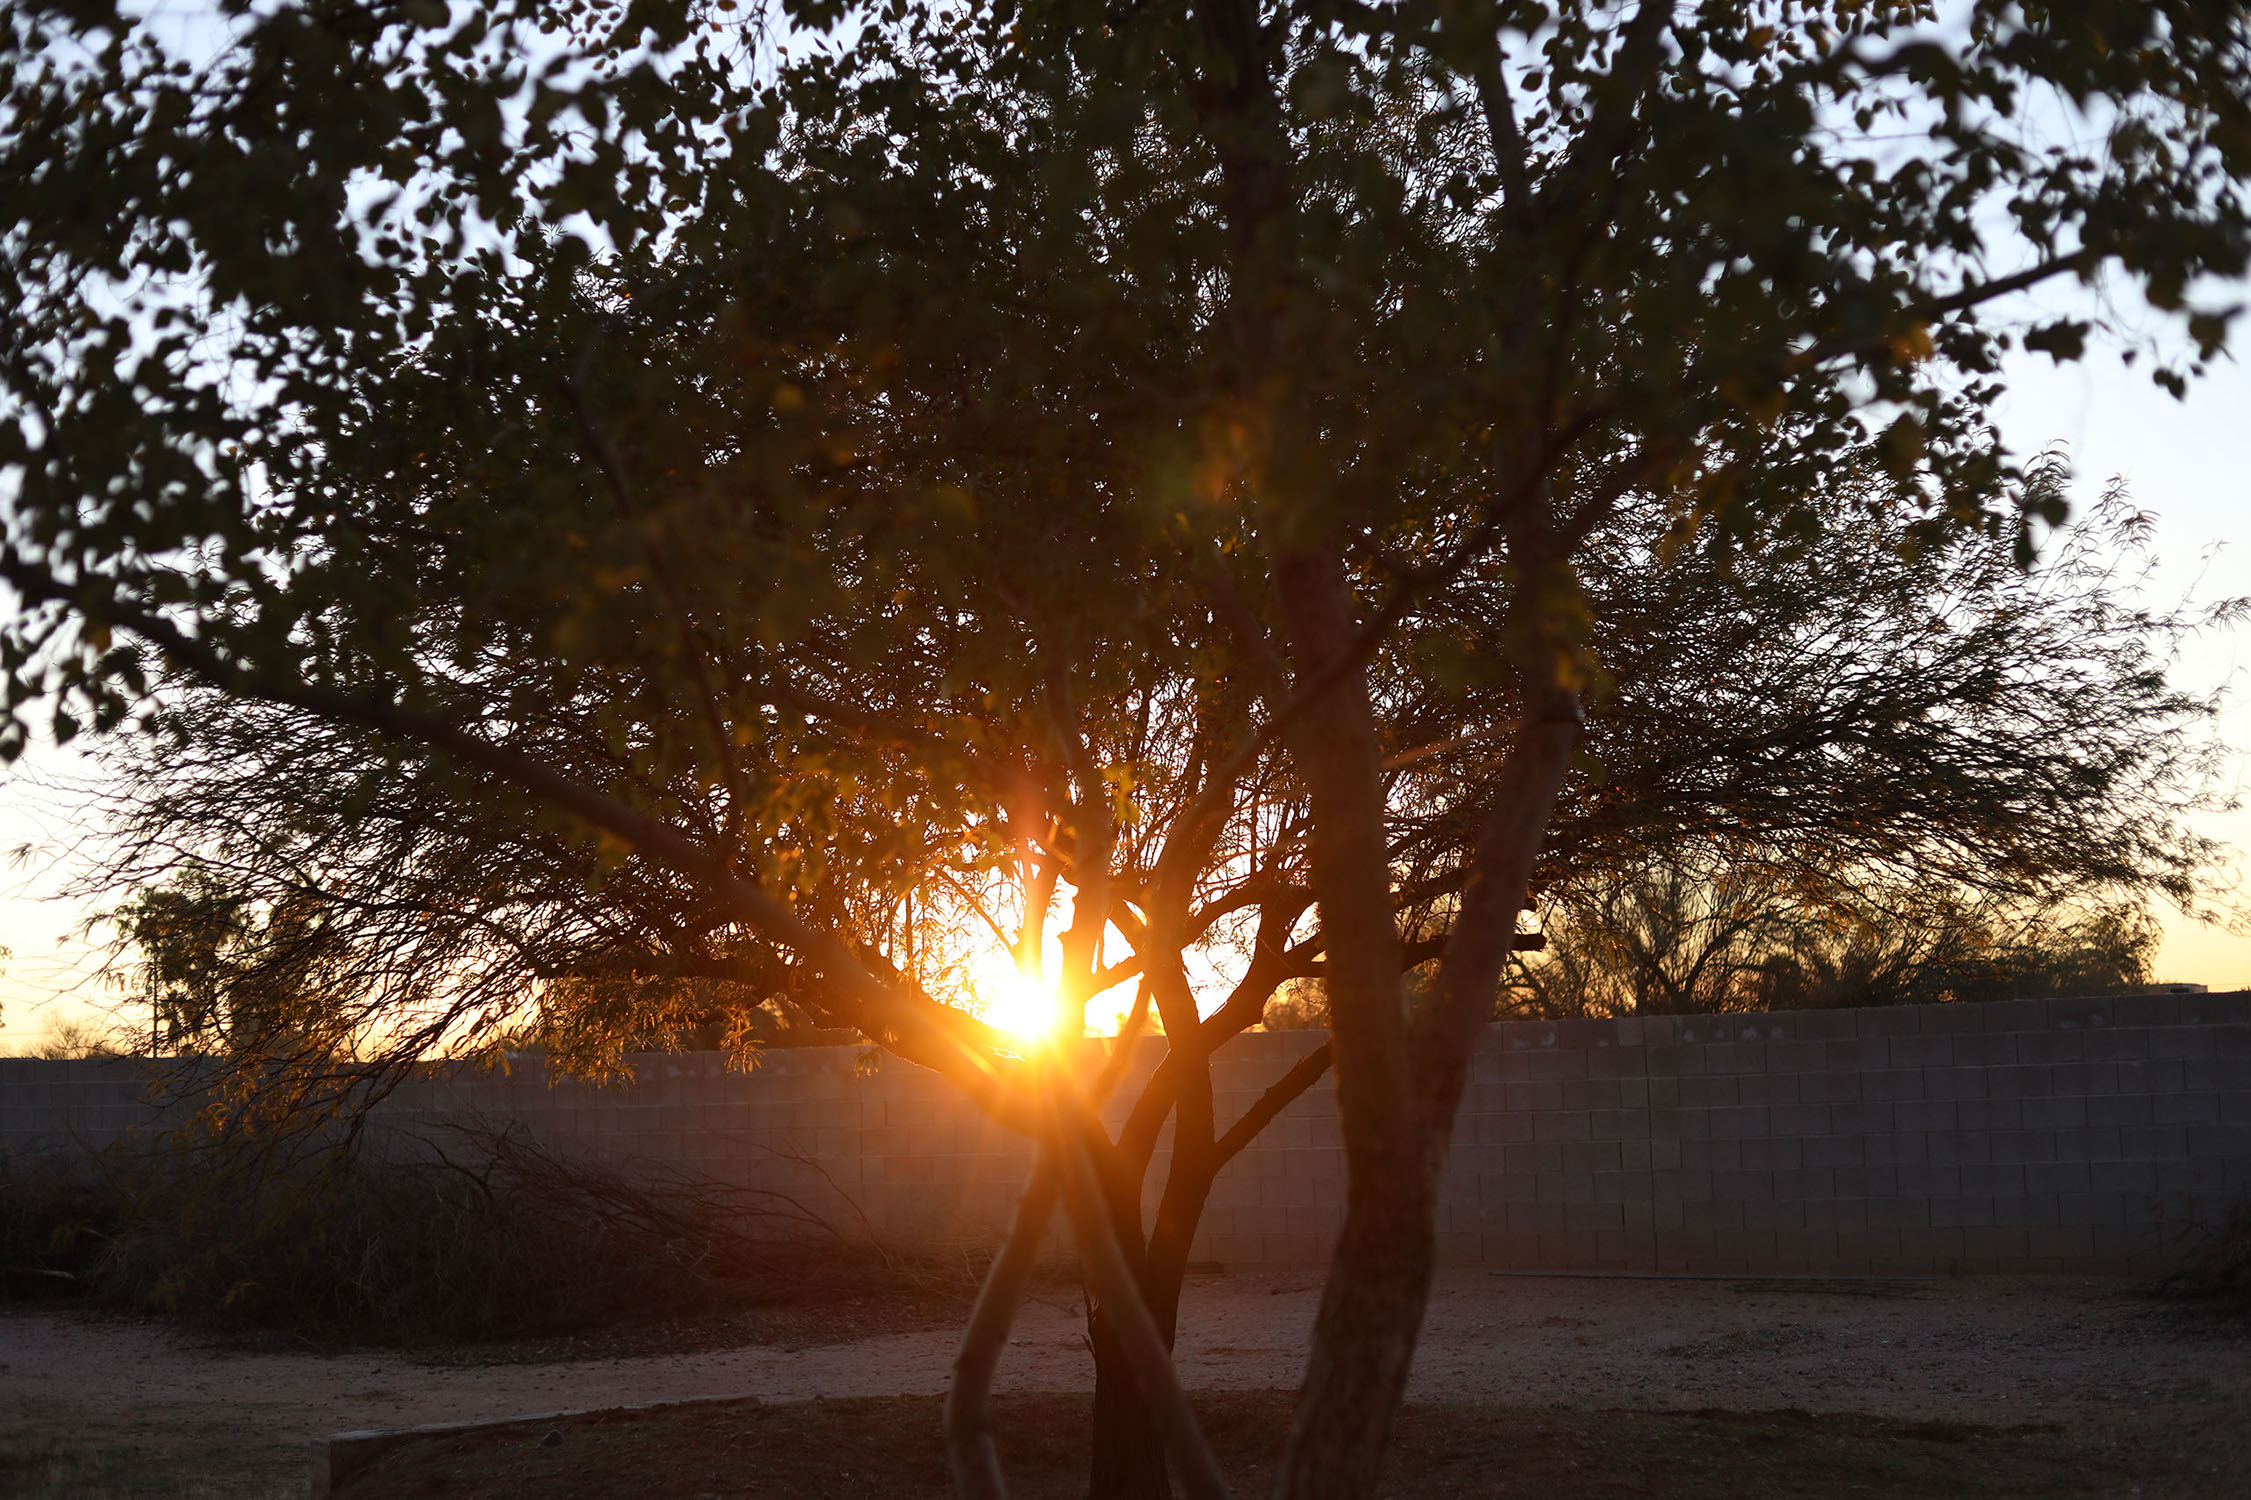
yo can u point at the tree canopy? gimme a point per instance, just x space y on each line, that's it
1054 443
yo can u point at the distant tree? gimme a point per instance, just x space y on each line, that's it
1685 935
65 1038
1050 448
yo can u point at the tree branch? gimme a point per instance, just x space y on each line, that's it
915 1026
967 1421
1284 1092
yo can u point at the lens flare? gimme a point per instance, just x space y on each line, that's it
1018 1001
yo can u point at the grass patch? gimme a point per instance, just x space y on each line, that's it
889 1449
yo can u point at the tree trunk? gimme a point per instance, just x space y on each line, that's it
1363 1340
1129 1452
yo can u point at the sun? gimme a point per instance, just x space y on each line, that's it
1016 1000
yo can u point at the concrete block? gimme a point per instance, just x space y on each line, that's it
1988 1114
2186 1109
2071 1244
2122 1179
1735 1057
1711 1213
2057 1177
1855 1054
2082 1015
1992 1179
1766 1153
2227 1008
2156 1076
1956 1211
1591 1216
1836 1213
1820 1025
1940 1083
1737 1121
1584 1158
1560 1125
2066 1113
1591 1094
2218 1075
1952 1148
1743 1186
1929 1181
1704 1090
1867 1181
2119 1111
2020 1146
1748 1250
1659 1031
2051 1047
1887 1021
1766 1088
1802 1183
2145 1010
1806 1249
1938 1248
1892 1084
1618 1124
1821 1087
1897 1213
2220 1143
1983 1049
1618 1062
2015 1015
2153 1142
1996 1246
2121 1044
1840 1150
1799 1119
1917 1051
1902 1148
1795 1056
1531 1095
1533 1218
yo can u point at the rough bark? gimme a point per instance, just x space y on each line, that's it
1129 1452
1371 1308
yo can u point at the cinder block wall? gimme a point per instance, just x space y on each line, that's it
2045 1135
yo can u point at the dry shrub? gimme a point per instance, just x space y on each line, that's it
56 1222
2219 1272
472 1236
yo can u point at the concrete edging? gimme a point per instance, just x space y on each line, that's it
342 1456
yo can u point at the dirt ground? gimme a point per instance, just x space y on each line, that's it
103 1410
888 1448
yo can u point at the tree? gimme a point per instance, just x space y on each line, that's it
1704 932
719 456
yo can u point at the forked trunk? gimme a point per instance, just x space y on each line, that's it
1129 1451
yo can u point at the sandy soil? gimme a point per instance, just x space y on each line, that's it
95 1406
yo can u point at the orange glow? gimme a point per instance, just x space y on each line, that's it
1017 1000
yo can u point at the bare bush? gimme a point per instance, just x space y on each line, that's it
469 1236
